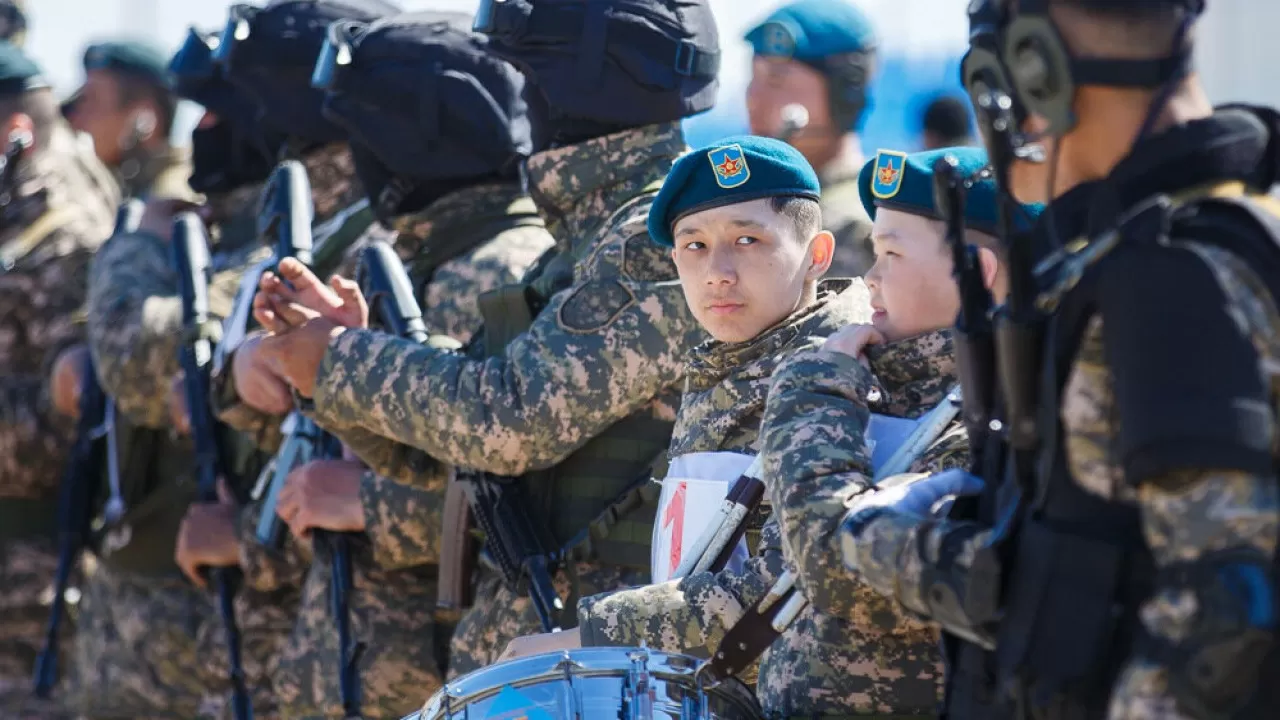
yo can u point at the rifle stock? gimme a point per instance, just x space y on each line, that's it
77 496
193 265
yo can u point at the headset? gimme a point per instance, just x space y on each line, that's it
1023 54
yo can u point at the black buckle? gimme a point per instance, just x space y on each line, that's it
686 58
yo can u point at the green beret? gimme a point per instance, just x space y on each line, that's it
18 73
903 182
130 57
734 170
811 30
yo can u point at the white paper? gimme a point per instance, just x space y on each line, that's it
692 493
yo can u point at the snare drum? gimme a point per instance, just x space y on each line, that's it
622 683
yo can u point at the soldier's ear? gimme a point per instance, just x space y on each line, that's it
822 249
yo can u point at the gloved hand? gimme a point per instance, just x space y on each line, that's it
916 498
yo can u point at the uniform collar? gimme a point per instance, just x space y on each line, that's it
914 374
712 361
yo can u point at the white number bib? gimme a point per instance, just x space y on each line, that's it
692 492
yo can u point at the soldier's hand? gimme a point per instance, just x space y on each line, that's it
66 380
256 383
178 414
340 301
539 644
853 340
207 537
295 355
324 495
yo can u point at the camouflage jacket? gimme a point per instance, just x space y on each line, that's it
850 651
844 216
334 191
721 410
61 215
135 311
1186 514
607 347
163 173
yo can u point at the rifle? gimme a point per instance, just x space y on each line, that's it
192 263
77 493
515 544
287 213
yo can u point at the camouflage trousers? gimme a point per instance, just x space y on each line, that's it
392 620
136 652
501 614
265 621
26 592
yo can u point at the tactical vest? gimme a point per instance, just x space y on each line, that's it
599 503
1081 566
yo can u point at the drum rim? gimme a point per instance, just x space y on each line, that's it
731 690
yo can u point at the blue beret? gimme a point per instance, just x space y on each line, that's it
130 57
18 73
903 182
811 30
733 170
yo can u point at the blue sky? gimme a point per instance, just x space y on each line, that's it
918 58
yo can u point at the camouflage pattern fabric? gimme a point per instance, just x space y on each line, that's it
334 188
155 173
26 574
42 295
450 302
394 576
135 316
844 215
502 614
850 651
136 652
609 346
721 410
68 214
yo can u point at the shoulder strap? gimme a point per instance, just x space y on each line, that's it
447 246
32 235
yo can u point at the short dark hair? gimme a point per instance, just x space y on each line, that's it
804 213
948 118
136 89
38 105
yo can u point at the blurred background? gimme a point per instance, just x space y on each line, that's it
921 44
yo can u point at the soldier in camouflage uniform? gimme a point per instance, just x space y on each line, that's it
1145 581
605 355
58 210
819 56
135 330
750 270
850 652
127 106
464 227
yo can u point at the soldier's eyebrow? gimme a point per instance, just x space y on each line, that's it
747 224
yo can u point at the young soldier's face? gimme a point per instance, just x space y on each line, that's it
743 269
912 290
